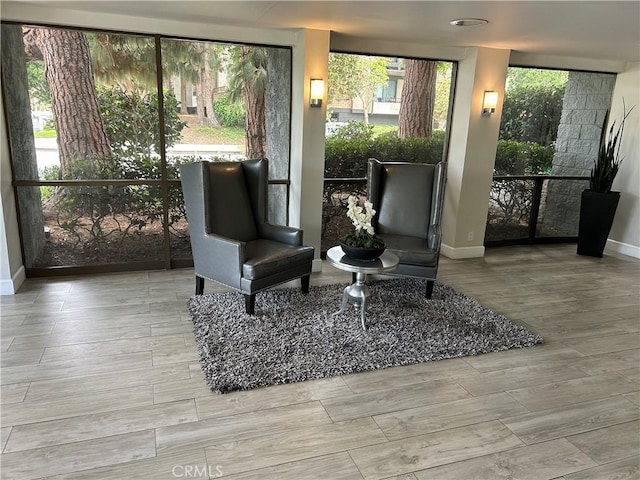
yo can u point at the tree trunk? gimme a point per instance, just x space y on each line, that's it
183 95
200 100
418 98
255 119
367 104
255 123
208 88
79 126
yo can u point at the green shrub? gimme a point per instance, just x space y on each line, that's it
511 200
85 210
91 213
347 151
414 150
349 148
230 114
131 121
355 131
532 114
522 158
49 173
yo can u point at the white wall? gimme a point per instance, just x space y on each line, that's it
625 233
310 60
472 149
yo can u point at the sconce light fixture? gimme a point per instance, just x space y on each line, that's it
317 92
489 102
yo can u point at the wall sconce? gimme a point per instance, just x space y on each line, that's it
317 92
489 102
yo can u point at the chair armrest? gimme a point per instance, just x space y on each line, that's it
434 237
218 258
280 233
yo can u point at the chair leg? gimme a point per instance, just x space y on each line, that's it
199 285
304 283
430 288
250 303
353 277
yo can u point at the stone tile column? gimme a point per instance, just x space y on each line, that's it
20 133
586 100
278 126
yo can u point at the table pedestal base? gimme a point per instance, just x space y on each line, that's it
356 295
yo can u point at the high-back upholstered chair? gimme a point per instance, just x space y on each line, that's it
231 240
408 199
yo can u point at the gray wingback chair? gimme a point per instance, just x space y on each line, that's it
231 240
408 199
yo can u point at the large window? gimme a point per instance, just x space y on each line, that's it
390 108
99 123
549 135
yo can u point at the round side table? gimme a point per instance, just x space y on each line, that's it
358 292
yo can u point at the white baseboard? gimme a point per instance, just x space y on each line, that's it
11 286
623 248
457 253
316 266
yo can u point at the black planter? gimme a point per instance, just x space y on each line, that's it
360 253
596 217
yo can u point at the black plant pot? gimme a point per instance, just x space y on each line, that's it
363 254
596 217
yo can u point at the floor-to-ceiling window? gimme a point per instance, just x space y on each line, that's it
99 123
390 108
549 137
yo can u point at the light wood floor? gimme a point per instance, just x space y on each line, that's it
101 380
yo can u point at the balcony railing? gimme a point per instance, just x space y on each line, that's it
388 99
523 209
334 208
528 209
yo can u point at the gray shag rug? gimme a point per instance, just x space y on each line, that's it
295 337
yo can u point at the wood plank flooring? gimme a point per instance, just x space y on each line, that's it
100 379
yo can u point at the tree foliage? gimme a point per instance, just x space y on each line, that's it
532 114
96 214
230 114
522 158
248 81
131 121
356 76
532 105
519 77
182 59
39 91
349 148
128 61
443 92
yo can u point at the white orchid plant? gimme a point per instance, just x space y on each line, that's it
361 217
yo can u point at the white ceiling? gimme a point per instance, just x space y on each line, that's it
607 30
